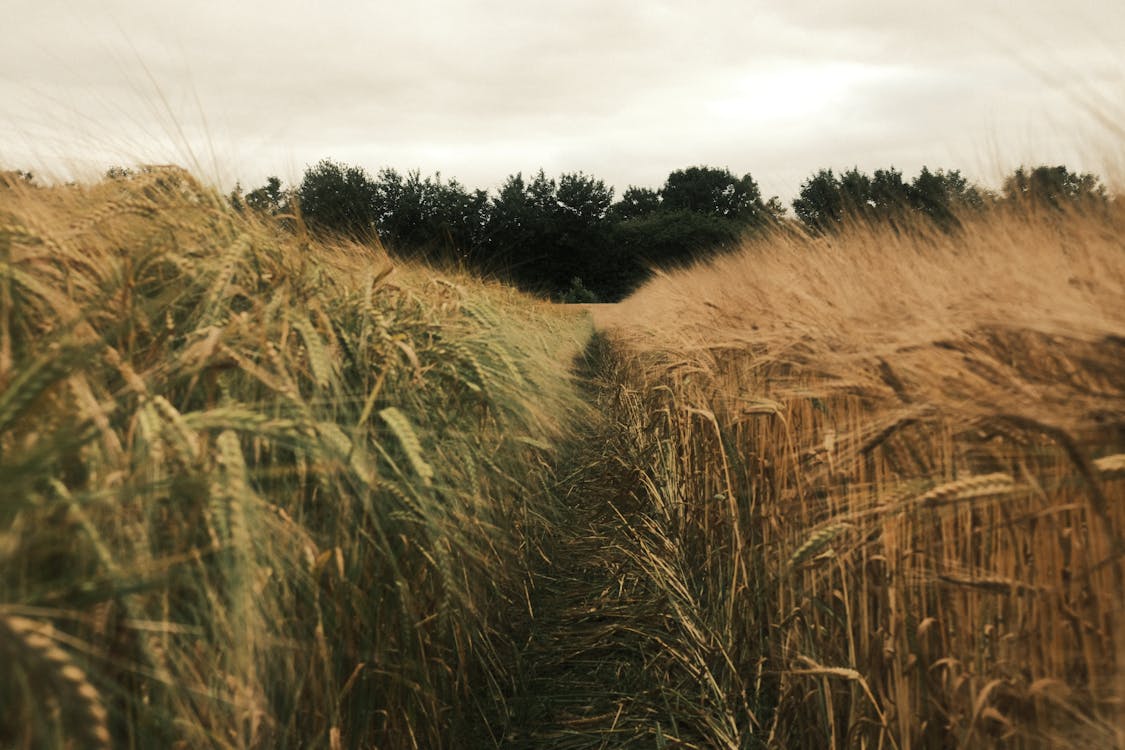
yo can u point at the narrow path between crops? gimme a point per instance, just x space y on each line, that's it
595 670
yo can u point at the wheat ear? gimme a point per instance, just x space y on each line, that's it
83 712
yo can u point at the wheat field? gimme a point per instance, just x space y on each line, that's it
894 463
260 489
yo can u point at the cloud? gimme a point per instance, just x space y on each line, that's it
625 90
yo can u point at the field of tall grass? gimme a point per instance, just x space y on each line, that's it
258 490
885 480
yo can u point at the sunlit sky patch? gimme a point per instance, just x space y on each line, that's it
627 91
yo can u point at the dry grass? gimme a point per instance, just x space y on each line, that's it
890 463
257 490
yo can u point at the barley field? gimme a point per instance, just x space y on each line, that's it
258 491
888 468
265 490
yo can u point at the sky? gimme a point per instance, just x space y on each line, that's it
625 90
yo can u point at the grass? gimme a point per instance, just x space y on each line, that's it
890 460
259 491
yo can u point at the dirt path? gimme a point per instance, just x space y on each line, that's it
598 670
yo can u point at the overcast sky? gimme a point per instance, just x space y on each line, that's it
627 91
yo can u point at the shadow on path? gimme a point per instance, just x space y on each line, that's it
598 668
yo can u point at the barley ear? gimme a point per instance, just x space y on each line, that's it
407 438
816 542
319 360
30 382
968 488
83 713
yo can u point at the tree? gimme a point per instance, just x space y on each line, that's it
855 188
1054 187
664 238
699 211
507 230
583 197
941 195
635 202
826 202
578 293
269 199
338 198
581 246
423 215
670 237
462 217
775 209
889 195
406 209
820 204
547 231
715 192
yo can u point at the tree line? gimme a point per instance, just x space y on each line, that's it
568 237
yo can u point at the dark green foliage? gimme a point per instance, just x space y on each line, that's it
670 237
269 199
338 198
698 211
820 204
635 202
1054 187
411 214
416 214
713 192
508 227
775 210
827 202
578 293
855 186
665 238
542 232
547 232
584 198
888 193
943 195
